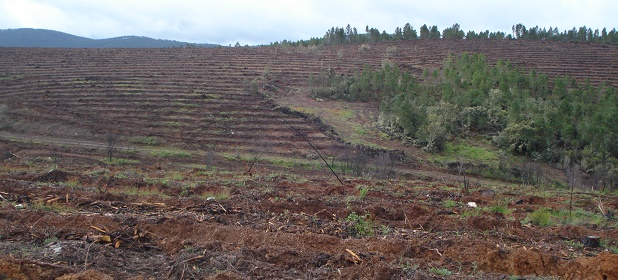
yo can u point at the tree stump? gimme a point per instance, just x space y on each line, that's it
592 241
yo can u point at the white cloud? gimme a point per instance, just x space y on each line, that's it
31 14
264 21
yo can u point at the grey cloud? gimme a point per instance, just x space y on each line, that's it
263 21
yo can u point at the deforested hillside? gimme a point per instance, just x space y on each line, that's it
193 163
192 97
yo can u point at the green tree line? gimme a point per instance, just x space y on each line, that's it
351 35
523 113
582 34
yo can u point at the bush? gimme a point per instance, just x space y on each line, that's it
362 192
501 208
450 203
541 217
363 225
432 137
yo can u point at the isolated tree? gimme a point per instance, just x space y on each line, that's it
112 140
409 33
55 157
359 164
4 118
432 137
211 152
424 32
384 165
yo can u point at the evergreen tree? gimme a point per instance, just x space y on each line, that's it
434 33
398 34
453 32
424 32
409 33
519 31
348 30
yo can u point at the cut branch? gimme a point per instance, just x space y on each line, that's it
316 150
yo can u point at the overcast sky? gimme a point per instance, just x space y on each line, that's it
263 21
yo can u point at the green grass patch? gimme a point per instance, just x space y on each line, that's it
581 217
453 151
14 77
52 207
120 161
440 271
472 212
174 124
222 195
502 208
98 172
157 181
183 104
176 176
358 141
360 130
139 192
72 183
127 85
544 217
198 166
449 203
170 154
345 115
573 243
278 161
147 140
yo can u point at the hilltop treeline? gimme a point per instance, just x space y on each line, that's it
349 35
559 121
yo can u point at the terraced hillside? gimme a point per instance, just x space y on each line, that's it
197 97
185 97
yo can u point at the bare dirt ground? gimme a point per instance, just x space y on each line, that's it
104 222
173 210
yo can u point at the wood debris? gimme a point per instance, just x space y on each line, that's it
353 257
125 237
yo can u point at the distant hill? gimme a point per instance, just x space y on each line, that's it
43 38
